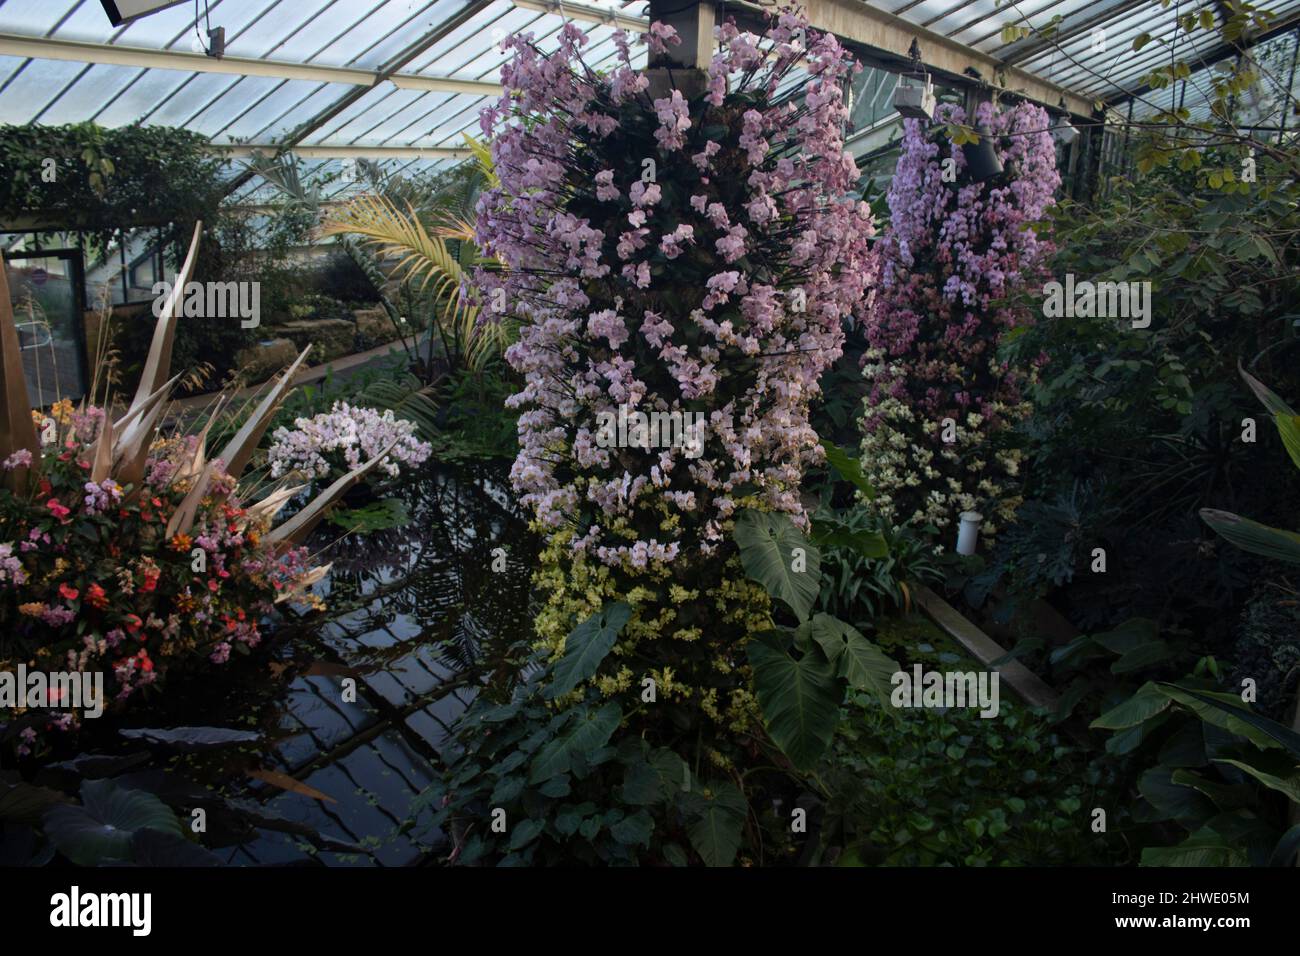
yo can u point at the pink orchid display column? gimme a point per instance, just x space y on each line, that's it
953 259
687 262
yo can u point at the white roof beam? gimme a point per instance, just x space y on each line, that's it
587 13
880 38
77 51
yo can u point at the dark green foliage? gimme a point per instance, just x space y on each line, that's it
930 788
108 179
339 277
1150 421
925 787
1268 649
562 787
1203 769
858 587
801 673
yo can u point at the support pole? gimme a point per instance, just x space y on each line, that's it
682 66
694 25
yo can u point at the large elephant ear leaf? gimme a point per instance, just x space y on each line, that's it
720 810
587 646
102 828
1254 537
865 666
775 554
800 699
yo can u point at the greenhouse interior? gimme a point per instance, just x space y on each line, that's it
834 433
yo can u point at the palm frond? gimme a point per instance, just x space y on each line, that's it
483 156
424 260
407 399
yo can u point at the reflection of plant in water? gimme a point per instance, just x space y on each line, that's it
438 569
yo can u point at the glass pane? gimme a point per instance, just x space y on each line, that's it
45 293
33 87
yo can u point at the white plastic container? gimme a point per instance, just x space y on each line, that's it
916 102
968 532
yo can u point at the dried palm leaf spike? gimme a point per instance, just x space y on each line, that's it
17 430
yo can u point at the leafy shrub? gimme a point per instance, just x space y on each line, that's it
1152 419
1214 779
1268 649
338 276
529 784
859 587
105 180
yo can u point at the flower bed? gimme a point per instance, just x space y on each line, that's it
125 551
92 580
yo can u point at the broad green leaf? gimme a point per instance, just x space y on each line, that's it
641 784
716 834
588 732
1225 710
674 772
1270 399
800 699
1288 426
1254 537
675 855
525 832
1141 657
831 534
1288 785
22 802
1285 851
100 830
848 467
771 548
1195 851
634 830
1173 800
1142 706
506 791
1226 796
865 666
586 646
1132 634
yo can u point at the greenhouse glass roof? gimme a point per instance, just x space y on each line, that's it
400 81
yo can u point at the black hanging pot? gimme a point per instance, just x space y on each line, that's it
982 161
